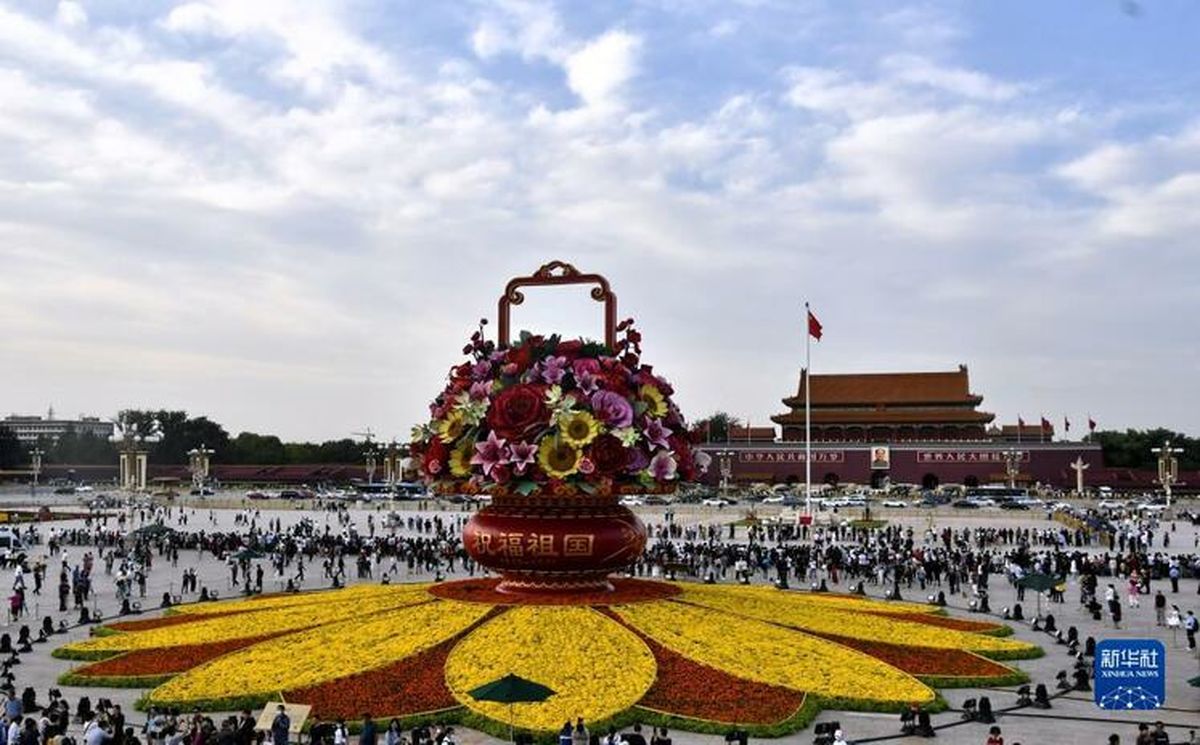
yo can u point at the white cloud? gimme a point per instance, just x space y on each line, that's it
915 70
598 72
284 190
69 13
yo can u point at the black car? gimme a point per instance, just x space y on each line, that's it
1010 505
966 504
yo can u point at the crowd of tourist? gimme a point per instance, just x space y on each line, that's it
1110 562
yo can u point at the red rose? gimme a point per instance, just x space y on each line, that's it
608 454
516 410
569 348
522 357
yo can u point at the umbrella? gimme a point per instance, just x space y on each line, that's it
151 531
511 689
1039 583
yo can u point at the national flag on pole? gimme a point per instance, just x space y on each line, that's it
1066 424
1045 424
814 326
1091 424
1020 424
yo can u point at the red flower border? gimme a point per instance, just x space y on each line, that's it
686 688
625 590
164 661
414 685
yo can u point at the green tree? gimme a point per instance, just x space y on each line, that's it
178 433
251 448
12 452
1132 448
716 426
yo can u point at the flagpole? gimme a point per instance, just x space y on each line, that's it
807 412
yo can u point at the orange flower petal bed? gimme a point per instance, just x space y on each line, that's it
625 590
414 685
922 661
172 620
164 661
693 690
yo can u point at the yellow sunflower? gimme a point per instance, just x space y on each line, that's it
460 460
452 427
653 398
578 428
558 458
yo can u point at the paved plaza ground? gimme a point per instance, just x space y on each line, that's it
1073 718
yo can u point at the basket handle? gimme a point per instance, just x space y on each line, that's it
557 273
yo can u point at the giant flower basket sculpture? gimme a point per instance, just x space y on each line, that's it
555 431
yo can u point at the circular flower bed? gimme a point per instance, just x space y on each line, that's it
555 417
691 656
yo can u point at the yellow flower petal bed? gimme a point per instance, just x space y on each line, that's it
770 654
794 609
354 593
597 668
823 599
310 657
246 625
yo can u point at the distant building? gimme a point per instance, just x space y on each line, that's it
887 407
29 429
920 428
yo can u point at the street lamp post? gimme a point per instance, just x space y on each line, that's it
1012 466
725 463
134 441
1168 468
371 456
198 462
35 456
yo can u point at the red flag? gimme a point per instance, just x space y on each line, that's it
814 326
1045 424
1066 424
1020 424
1091 424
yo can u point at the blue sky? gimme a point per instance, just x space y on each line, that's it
288 215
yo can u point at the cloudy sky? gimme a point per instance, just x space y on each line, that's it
288 215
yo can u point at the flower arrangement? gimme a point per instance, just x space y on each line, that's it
688 656
557 417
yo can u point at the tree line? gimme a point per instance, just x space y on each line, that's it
178 433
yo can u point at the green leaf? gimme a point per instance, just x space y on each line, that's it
525 488
587 488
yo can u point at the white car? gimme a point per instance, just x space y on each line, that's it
632 501
1150 507
716 502
83 488
1110 504
775 499
894 503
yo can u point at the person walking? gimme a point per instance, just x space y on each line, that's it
281 725
579 735
1190 626
369 734
1160 608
